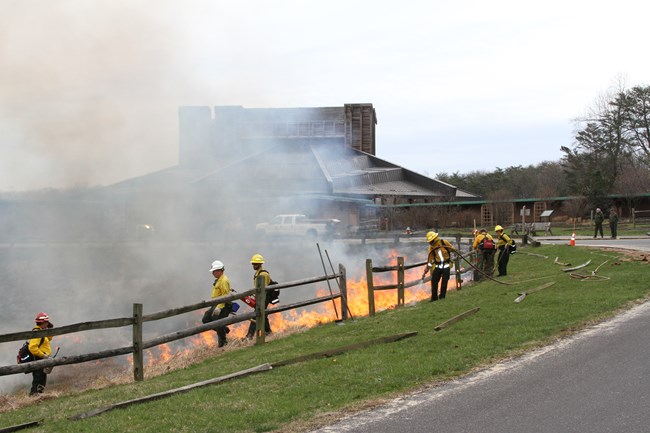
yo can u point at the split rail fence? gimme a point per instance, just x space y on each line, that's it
400 285
136 321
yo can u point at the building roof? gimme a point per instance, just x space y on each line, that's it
325 168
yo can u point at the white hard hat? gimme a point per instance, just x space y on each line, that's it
216 266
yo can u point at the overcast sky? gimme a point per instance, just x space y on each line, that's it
89 90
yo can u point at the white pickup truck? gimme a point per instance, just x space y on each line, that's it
298 225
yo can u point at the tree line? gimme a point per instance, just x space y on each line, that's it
610 155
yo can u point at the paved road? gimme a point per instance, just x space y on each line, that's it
632 243
597 381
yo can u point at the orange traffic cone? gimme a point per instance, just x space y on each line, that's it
572 242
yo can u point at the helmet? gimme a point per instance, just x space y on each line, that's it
432 236
42 318
216 266
257 258
498 228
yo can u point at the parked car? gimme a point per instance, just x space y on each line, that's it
298 225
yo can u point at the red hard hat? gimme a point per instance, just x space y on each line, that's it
42 318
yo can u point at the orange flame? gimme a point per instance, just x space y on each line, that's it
357 300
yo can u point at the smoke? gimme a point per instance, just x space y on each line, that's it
79 82
90 97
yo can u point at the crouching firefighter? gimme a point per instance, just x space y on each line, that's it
221 287
439 264
40 349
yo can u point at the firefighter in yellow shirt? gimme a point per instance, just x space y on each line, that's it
505 247
485 248
220 288
439 264
40 348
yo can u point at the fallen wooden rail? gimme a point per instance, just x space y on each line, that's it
337 351
186 388
20 426
455 319
523 295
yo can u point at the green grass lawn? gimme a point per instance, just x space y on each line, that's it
298 397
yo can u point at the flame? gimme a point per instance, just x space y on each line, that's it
357 300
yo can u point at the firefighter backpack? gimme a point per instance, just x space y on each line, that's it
24 355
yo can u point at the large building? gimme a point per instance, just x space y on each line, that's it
240 166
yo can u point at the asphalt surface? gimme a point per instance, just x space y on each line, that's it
632 243
596 381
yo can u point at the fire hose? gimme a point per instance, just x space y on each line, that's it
494 279
489 277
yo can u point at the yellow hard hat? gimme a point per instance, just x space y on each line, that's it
498 228
432 236
257 258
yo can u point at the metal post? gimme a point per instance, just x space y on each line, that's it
138 363
371 290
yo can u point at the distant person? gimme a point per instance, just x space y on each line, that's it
221 287
599 217
257 261
439 264
40 348
504 245
485 248
613 222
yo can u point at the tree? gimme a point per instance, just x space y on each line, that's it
602 145
636 105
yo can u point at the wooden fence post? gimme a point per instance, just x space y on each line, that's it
400 281
459 277
260 309
343 288
371 290
138 361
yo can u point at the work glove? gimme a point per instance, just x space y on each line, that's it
216 312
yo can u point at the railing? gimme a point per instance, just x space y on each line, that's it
400 284
640 216
136 321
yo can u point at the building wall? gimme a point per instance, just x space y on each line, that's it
228 133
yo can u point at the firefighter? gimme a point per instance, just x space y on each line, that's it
485 248
41 349
257 261
220 288
504 245
439 264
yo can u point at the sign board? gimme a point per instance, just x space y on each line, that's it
546 213
521 212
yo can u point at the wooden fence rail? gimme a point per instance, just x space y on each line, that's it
138 345
400 285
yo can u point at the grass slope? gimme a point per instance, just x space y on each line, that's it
301 396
